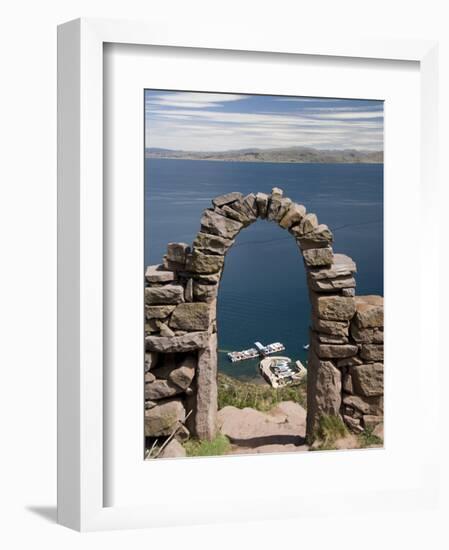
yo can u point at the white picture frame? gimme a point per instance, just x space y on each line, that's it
81 397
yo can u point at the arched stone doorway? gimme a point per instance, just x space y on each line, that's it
345 364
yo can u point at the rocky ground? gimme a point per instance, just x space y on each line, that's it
281 429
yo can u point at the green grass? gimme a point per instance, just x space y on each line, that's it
261 397
218 446
330 428
368 439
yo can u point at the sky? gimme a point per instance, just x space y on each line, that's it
201 121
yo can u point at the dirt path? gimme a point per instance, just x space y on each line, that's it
282 429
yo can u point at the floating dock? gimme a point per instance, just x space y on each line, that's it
258 350
281 371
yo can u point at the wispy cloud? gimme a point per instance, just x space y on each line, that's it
212 122
191 100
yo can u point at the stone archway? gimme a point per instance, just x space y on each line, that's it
345 364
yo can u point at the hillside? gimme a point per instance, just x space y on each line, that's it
288 154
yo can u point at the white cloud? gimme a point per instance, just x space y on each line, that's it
350 115
191 100
181 126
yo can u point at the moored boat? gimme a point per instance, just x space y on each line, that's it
259 350
281 371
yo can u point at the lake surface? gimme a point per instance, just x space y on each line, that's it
263 294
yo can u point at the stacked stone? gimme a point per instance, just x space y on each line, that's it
180 329
345 367
363 377
178 338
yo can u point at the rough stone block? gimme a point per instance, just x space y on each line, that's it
204 293
293 216
158 312
366 335
250 203
283 208
206 263
228 198
331 338
151 360
177 252
335 328
149 377
169 265
370 311
206 397
160 389
262 204
308 224
174 449
372 352
184 373
323 390
275 203
245 210
318 256
320 237
238 215
333 308
152 325
157 274
366 405
348 386
168 294
342 266
165 330
334 351
207 278
195 316
216 224
161 419
212 244
186 342
331 285
368 379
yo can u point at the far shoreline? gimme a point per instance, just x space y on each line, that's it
252 161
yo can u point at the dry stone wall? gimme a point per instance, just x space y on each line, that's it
345 364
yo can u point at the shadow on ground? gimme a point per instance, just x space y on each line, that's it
268 440
49 513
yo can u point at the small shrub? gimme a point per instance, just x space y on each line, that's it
330 428
218 446
369 439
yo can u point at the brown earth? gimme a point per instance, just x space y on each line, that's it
282 429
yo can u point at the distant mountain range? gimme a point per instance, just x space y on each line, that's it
287 154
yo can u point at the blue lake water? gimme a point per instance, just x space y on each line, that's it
263 293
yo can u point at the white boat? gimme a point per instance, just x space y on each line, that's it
280 371
306 346
257 351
